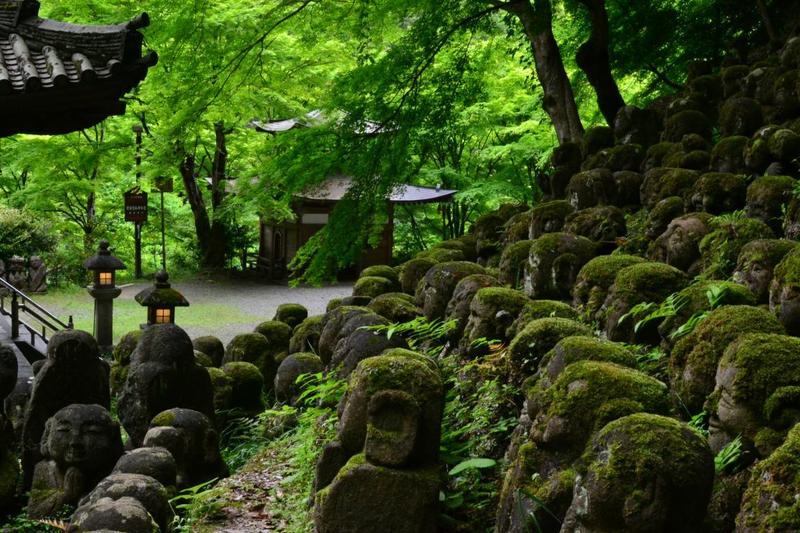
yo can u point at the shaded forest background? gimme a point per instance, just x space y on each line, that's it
472 95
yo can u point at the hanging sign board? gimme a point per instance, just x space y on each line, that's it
135 205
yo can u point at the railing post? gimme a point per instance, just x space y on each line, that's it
70 325
14 316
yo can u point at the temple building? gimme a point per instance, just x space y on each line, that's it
279 242
57 77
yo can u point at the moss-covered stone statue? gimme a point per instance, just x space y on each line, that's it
766 198
79 446
770 501
72 373
602 224
784 292
436 287
720 248
757 392
459 305
679 245
492 311
192 440
639 283
548 217
756 265
594 280
694 358
163 375
146 490
584 397
642 473
554 262
381 473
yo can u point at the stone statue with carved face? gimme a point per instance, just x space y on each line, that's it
80 445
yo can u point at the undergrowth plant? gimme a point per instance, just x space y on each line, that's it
727 460
647 312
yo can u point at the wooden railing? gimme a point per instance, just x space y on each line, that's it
38 322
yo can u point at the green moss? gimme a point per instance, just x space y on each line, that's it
536 339
125 347
395 306
595 278
719 250
306 335
277 333
536 309
512 263
441 255
696 299
788 270
412 272
765 251
770 501
517 228
502 298
701 350
373 286
291 313
651 446
403 352
660 183
764 363
580 348
381 271
164 418
648 282
589 394
391 372
684 123
202 359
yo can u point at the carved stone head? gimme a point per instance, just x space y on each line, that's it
83 436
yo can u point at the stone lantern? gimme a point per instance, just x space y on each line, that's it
104 289
161 300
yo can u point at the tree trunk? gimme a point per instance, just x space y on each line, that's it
214 256
593 59
559 100
201 222
767 20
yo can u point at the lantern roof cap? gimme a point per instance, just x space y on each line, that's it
161 294
104 260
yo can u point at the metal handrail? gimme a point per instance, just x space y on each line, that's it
45 318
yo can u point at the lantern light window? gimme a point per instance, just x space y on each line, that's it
106 278
163 316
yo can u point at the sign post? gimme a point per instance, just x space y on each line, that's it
137 231
136 212
163 184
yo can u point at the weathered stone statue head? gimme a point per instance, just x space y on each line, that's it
756 265
770 502
80 445
679 245
594 280
643 282
629 479
554 262
784 292
492 311
83 436
195 441
766 197
549 217
757 393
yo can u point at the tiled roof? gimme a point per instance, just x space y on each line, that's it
57 77
333 189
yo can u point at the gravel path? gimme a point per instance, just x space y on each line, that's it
255 302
